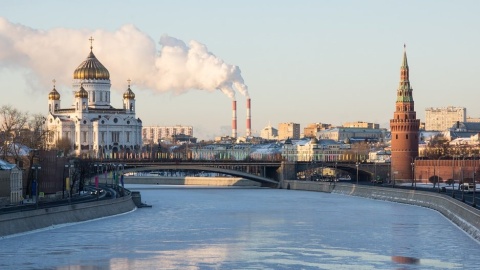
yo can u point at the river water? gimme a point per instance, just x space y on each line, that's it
241 228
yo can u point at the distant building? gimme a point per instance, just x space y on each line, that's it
316 150
473 119
269 133
288 130
154 134
311 130
360 124
444 118
344 134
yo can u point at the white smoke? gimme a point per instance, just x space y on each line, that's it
127 53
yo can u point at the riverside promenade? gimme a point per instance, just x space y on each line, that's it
464 216
46 216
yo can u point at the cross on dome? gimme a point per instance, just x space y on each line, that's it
91 43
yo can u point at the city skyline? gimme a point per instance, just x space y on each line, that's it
303 62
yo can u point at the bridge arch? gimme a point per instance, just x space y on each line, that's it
262 180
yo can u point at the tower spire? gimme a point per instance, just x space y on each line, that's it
404 92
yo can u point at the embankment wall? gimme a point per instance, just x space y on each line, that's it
463 215
202 181
19 222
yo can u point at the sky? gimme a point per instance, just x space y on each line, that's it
299 61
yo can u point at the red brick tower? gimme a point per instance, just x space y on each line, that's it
404 128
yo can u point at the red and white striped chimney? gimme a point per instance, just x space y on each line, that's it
249 120
234 119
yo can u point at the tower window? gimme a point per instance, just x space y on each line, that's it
407 136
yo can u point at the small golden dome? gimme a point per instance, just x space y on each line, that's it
129 93
82 93
53 95
91 69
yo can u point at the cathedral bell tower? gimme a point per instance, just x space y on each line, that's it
129 99
404 128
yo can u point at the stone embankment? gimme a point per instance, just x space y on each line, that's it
463 215
201 181
19 222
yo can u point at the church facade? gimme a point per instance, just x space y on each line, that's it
94 128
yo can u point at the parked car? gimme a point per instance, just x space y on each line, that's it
467 187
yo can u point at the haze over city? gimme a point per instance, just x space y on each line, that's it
303 62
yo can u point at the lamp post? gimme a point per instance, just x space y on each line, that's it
69 184
462 186
413 172
453 177
437 178
474 203
356 165
36 167
394 177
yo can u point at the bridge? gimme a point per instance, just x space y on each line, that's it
267 173
193 167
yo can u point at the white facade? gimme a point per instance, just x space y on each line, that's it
441 119
11 182
92 125
269 133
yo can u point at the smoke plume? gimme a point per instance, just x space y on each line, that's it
127 53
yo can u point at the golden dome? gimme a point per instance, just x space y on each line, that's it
53 95
129 93
91 69
81 93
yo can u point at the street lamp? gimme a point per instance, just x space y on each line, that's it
453 177
413 172
474 204
438 177
356 165
394 177
36 167
462 187
69 183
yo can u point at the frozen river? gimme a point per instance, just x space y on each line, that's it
236 228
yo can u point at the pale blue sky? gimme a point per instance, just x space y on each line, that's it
303 61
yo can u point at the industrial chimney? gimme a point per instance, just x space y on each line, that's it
249 120
234 119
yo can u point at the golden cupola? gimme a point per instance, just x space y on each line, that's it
54 95
91 69
82 93
129 93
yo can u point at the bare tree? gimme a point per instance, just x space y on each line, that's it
437 147
64 145
12 122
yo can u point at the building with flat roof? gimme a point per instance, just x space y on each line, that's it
360 124
288 130
311 130
444 118
153 134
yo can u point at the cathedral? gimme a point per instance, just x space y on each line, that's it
94 128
